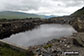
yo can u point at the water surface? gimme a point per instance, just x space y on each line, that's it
40 35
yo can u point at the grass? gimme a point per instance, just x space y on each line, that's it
79 12
5 51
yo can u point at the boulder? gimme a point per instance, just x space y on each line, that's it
78 24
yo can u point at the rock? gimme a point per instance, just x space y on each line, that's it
68 46
79 40
78 24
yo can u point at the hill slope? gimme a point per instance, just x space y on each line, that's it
18 15
79 12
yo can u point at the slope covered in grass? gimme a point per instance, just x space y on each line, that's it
18 15
79 12
4 51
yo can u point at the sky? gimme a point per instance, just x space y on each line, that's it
42 7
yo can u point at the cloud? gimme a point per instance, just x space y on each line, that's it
19 4
69 3
47 7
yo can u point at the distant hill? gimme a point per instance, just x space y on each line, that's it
19 15
51 16
79 12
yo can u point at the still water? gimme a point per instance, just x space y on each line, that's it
40 35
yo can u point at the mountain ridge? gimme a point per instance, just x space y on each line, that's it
79 12
20 15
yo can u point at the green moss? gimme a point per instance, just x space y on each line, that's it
30 53
48 46
4 51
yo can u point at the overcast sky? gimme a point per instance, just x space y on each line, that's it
43 7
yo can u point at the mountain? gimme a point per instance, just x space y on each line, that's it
18 15
51 16
79 12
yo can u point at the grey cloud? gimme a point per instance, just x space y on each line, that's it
70 3
74 3
48 6
20 4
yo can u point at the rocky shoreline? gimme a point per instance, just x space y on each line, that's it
9 27
59 47
55 47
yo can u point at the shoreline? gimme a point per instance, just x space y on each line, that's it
8 28
56 46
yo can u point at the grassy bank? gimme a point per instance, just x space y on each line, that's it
5 51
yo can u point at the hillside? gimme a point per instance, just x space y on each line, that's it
18 15
79 12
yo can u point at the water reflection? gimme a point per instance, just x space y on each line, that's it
40 35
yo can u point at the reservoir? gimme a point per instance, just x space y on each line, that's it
41 34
